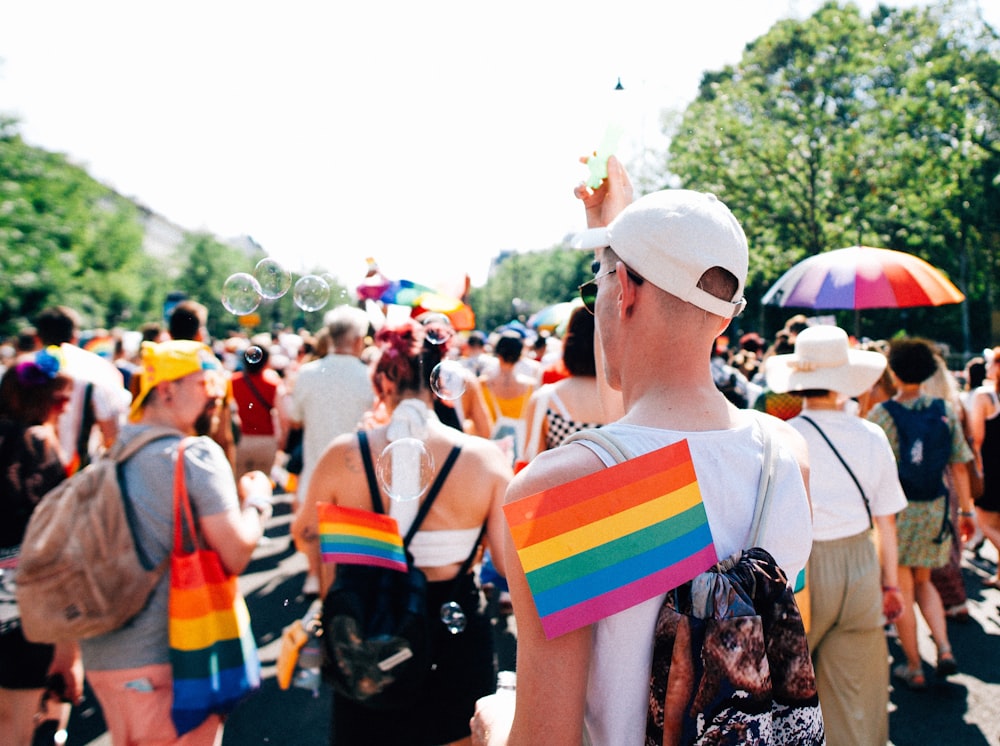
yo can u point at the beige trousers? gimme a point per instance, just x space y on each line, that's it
847 641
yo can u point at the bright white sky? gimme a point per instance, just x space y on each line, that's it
430 136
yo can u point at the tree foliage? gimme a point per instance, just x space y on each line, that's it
64 238
843 129
522 284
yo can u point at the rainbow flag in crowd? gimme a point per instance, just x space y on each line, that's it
608 541
360 537
213 655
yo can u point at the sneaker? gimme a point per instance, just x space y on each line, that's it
311 586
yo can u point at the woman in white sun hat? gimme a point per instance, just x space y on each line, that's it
855 494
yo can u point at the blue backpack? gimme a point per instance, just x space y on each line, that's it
924 448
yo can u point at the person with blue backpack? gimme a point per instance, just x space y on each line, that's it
927 440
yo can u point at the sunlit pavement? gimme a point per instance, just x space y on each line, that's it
964 709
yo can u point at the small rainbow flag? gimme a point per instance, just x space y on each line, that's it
360 537
608 541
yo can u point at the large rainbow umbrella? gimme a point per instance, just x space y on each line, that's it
860 277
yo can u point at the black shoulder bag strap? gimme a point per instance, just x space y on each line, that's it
87 422
376 495
868 509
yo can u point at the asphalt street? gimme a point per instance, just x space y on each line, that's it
964 709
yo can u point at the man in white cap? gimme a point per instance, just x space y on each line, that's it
670 274
855 494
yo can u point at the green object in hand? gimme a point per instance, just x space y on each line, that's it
598 162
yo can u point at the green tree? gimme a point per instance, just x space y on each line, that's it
64 238
841 129
525 283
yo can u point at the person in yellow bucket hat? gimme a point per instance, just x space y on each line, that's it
170 361
129 668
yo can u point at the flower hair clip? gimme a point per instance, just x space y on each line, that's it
42 369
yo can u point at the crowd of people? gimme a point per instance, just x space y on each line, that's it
885 465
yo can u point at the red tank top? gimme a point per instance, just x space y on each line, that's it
255 415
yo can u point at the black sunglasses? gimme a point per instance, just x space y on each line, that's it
588 290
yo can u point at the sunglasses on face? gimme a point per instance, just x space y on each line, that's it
588 290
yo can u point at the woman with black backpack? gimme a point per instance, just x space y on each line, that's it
463 479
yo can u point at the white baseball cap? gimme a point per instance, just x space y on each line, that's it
671 238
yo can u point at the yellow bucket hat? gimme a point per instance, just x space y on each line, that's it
168 361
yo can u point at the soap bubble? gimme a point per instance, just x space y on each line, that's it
311 293
273 278
241 294
448 380
453 617
405 469
339 295
253 354
437 328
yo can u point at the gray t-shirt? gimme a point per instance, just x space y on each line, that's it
149 479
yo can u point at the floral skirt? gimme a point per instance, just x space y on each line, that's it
922 542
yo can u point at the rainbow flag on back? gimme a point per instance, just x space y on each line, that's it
360 537
608 541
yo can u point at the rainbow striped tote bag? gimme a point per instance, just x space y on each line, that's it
212 650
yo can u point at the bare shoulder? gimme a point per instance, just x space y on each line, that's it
552 468
342 453
487 454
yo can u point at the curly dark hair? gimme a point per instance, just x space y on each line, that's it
912 359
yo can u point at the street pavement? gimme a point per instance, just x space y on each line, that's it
962 710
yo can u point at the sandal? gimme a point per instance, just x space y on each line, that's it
946 665
914 679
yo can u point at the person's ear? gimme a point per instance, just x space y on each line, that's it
626 290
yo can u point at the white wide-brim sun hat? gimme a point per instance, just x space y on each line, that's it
824 360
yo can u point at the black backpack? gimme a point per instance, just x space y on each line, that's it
924 448
376 624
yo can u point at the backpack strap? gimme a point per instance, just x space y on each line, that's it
366 459
120 454
868 508
376 494
87 422
602 439
425 506
765 488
